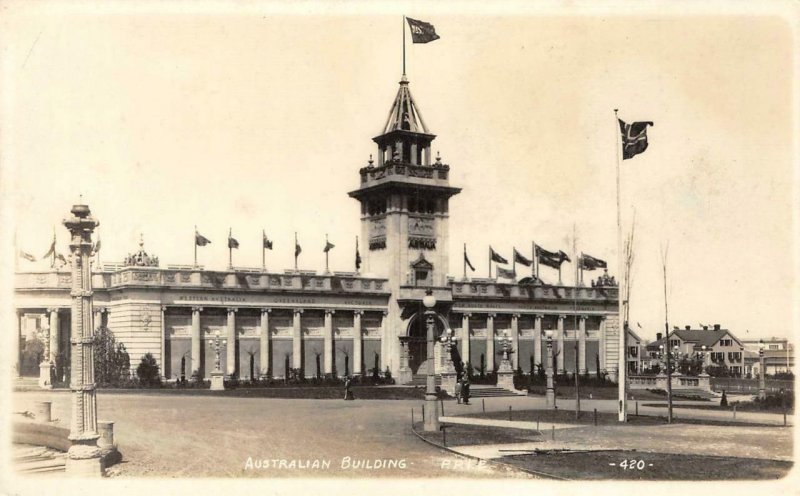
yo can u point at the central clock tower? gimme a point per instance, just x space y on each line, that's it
404 198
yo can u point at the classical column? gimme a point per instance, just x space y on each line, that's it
17 372
582 344
385 357
560 350
490 343
358 344
83 457
328 342
164 357
602 340
197 342
263 336
465 337
230 348
98 317
515 340
297 340
54 333
537 339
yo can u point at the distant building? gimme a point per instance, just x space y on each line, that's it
778 356
722 348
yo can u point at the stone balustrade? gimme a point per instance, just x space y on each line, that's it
395 169
701 382
194 278
489 287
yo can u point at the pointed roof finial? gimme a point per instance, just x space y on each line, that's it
141 240
438 157
370 160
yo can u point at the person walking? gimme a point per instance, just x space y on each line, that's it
348 394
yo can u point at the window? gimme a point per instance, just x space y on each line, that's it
633 351
674 342
718 356
735 357
726 342
774 347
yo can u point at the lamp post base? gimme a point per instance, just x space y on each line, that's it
431 419
217 381
550 397
45 370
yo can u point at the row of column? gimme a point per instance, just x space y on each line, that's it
264 337
537 340
53 332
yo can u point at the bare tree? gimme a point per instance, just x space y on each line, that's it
664 252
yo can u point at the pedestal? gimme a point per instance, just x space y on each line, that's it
217 380
550 394
431 417
83 460
449 379
45 371
704 381
505 375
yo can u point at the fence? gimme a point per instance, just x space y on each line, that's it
735 384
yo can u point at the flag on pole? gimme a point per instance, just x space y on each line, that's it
551 258
200 240
466 261
232 243
97 246
588 262
495 257
358 257
266 242
520 259
27 256
506 273
328 246
421 32
297 249
52 249
634 138
61 258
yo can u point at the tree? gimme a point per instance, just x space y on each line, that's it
111 361
147 371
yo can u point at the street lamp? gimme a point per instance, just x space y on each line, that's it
550 394
431 417
703 354
762 380
217 377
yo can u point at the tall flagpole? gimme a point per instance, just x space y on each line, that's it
230 249
404 45
490 262
326 253
533 264
295 250
465 261
263 251
195 246
622 361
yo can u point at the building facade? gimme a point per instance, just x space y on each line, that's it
718 347
275 323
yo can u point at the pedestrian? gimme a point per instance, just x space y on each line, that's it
348 394
458 391
465 391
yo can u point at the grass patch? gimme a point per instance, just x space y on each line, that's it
305 392
597 465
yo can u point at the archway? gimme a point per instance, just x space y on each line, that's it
418 360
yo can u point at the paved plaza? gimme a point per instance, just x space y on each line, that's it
183 435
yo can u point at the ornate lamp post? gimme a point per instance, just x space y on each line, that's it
449 377
703 353
505 374
762 372
431 418
217 376
83 457
550 394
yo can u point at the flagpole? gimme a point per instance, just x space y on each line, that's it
263 251
404 45
514 261
622 371
53 263
465 261
358 255
16 253
533 264
326 252
295 250
230 249
195 246
490 261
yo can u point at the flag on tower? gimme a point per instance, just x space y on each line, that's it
328 246
266 242
297 249
232 243
97 245
52 249
358 256
520 259
27 256
421 32
550 258
588 262
495 257
61 258
634 138
200 240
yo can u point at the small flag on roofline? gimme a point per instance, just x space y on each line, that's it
328 246
588 262
27 256
506 273
267 244
496 257
232 242
200 240
520 259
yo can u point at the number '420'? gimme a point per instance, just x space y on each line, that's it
632 464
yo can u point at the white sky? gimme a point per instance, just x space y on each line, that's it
261 119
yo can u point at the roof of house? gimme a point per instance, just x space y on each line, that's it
700 337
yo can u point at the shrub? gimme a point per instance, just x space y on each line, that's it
147 371
111 361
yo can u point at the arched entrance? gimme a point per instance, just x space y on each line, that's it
417 332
